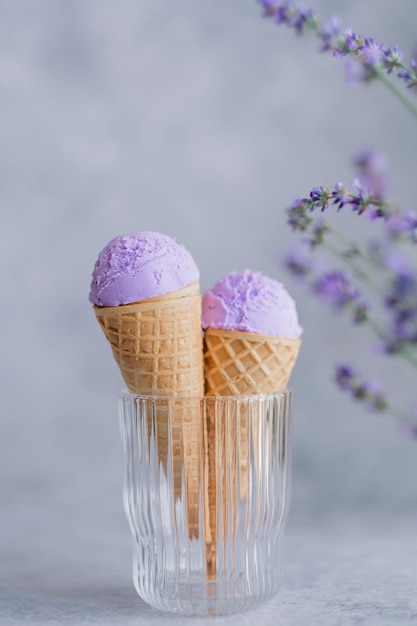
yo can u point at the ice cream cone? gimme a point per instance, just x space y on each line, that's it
238 363
157 344
242 363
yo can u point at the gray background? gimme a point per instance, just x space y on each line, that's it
202 121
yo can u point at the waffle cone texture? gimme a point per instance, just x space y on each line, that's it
241 363
157 344
237 363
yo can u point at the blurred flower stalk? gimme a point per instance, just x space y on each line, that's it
377 284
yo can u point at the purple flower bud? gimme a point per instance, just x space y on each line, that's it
373 173
299 19
299 262
335 288
371 54
278 11
368 391
330 30
403 226
392 59
351 41
344 375
299 214
400 302
406 75
318 233
320 197
355 72
340 196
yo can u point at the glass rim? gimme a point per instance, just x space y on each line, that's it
287 393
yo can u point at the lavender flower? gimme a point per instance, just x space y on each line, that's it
300 19
382 268
287 13
299 214
336 289
367 391
403 226
332 287
347 43
392 59
409 75
401 304
372 395
369 53
366 203
340 196
373 173
319 231
398 296
373 205
328 33
276 10
355 72
299 263
366 51
320 197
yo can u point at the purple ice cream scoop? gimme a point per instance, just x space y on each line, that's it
249 301
140 266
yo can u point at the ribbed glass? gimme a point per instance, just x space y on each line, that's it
206 494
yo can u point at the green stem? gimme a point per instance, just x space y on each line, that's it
398 93
402 415
357 270
359 253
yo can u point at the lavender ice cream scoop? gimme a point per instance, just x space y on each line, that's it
249 301
140 266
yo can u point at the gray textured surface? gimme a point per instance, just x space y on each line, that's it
345 573
199 120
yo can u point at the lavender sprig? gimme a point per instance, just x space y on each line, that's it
322 198
397 287
403 227
334 287
382 267
369 196
370 392
397 291
398 334
376 60
367 391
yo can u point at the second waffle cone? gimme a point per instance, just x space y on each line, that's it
237 363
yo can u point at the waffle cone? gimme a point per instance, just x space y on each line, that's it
242 363
157 344
238 363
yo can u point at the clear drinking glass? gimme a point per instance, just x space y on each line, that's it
206 494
